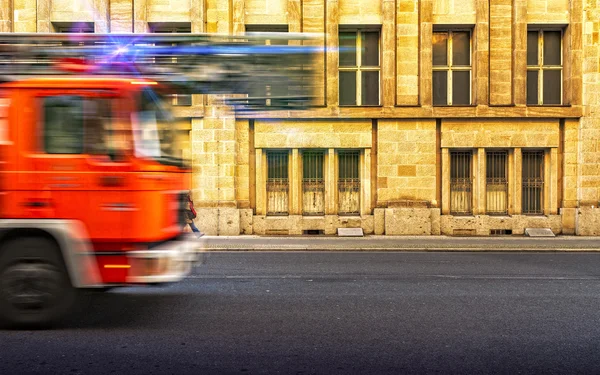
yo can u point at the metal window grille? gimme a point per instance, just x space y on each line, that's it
313 184
533 182
496 182
277 183
452 67
461 183
348 183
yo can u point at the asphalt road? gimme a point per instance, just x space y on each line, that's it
336 313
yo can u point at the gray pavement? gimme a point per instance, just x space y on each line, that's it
400 243
336 312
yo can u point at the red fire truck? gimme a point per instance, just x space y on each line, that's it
93 189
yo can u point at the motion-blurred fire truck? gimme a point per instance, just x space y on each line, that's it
92 195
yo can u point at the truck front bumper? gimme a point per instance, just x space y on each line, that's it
168 262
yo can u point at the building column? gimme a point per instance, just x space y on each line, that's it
445 181
261 182
330 183
510 196
517 177
553 181
295 181
365 199
426 65
480 181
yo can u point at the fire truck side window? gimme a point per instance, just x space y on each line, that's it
76 125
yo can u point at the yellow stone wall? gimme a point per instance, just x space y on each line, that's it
405 139
406 165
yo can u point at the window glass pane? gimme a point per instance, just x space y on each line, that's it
461 49
347 88
440 45
552 83
63 125
440 88
532 87
183 100
461 88
347 49
552 48
532 48
370 48
370 88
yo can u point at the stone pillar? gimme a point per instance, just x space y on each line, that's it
6 16
570 165
295 183
101 15
547 182
261 182
43 16
365 177
140 16
24 16
500 52
519 34
517 178
388 46
510 196
480 181
331 74
573 56
121 16
407 50
445 181
313 22
482 53
553 181
330 183
425 73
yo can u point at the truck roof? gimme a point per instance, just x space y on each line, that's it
77 82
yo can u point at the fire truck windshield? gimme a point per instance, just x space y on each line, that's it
154 130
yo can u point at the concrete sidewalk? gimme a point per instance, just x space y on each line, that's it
400 243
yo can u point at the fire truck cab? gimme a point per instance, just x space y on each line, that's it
93 186
93 192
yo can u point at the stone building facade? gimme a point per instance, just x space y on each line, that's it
470 117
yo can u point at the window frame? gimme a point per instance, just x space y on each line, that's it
359 69
471 169
450 68
540 67
278 153
541 181
498 180
313 182
357 154
266 28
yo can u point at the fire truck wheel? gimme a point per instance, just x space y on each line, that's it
35 289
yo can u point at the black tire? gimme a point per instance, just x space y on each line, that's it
35 289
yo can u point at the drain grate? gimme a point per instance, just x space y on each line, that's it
500 232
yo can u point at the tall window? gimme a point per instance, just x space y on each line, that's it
268 94
278 185
176 27
359 67
533 182
452 67
348 182
496 186
544 67
461 182
313 184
